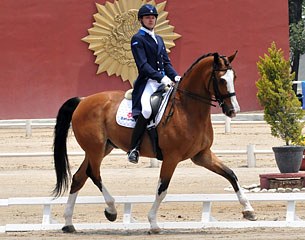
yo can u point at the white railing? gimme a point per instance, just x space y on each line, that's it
206 221
251 153
39 123
29 124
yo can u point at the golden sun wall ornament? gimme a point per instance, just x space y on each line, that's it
109 38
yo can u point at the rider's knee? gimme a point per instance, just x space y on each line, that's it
146 113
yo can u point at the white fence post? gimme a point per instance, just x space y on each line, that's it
154 163
28 128
227 125
290 213
206 212
47 217
127 213
251 160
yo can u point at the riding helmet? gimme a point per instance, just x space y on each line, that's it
147 9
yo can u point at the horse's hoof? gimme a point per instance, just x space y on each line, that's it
68 229
250 215
154 231
110 216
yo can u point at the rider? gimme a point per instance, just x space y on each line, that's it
154 68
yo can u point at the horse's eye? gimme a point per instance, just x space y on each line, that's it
222 81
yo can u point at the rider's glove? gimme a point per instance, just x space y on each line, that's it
177 78
167 82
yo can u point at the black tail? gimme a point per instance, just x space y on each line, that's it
61 130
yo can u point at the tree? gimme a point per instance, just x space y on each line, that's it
281 106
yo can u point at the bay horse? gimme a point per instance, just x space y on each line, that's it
185 132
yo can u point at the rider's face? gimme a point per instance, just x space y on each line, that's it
149 21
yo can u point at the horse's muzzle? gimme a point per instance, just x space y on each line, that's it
228 111
232 114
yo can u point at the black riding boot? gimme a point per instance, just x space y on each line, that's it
138 131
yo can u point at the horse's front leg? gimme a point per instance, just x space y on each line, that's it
166 173
210 161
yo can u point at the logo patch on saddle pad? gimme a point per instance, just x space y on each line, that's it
124 114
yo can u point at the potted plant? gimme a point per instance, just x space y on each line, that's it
301 142
282 109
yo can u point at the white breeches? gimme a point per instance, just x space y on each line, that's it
150 88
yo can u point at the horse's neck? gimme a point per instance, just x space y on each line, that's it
194 95
196 106
193 115
196 85
197 80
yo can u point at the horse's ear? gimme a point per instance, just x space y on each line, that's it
216 58
231 58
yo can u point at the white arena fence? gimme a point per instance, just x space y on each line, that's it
217 119
128 222
251 151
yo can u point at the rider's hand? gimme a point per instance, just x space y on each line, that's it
177 78
167 81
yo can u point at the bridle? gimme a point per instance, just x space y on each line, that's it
219 97
213 79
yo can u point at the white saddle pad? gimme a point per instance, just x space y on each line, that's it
124 114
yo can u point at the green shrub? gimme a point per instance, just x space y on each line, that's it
282 109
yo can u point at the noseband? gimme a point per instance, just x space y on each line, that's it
219 97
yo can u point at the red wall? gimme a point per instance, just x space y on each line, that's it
44 62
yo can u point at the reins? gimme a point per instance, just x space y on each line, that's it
218 97
198 97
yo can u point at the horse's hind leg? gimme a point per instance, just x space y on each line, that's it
210 161
78 181
110 212
93 171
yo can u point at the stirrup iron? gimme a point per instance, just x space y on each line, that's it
133 156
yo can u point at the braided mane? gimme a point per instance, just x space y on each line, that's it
198 60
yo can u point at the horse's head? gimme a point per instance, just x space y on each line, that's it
212 75
222 79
